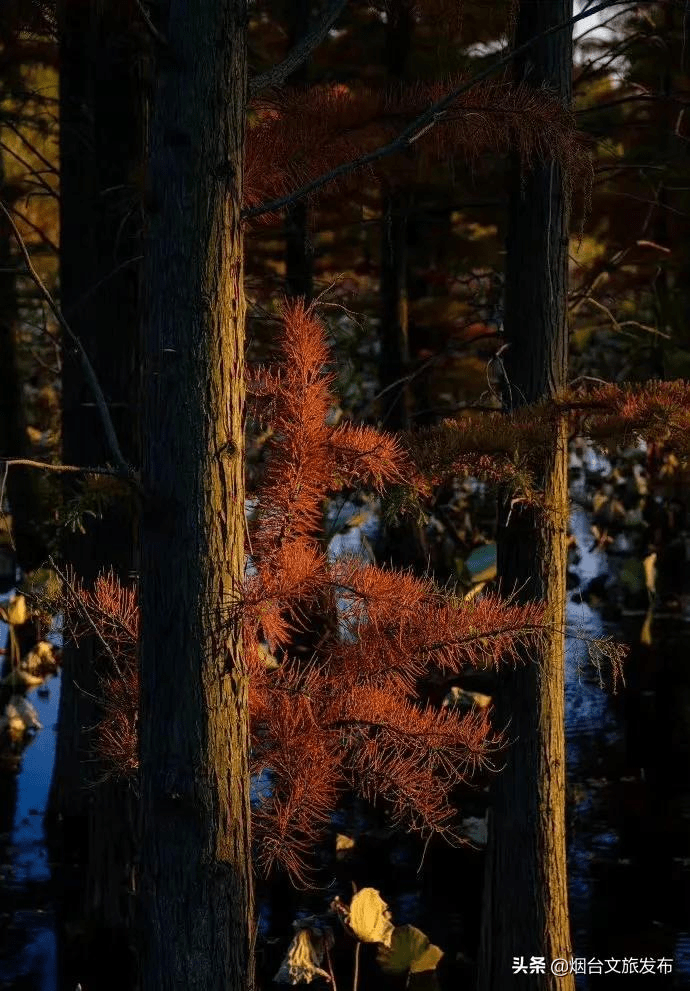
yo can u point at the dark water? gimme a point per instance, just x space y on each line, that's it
629 778
629 816
28 951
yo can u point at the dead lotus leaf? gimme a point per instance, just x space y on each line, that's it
304 955
370 918
409 951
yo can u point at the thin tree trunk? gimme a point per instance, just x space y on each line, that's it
195 885
299 268
526 895
23 485
394 359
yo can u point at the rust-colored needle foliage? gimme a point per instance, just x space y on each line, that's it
356 714
298 134
509 450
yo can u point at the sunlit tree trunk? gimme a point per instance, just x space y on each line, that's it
195 885
526 893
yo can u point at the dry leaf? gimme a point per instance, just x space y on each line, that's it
409 951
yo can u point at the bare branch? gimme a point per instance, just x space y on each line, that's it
36 229
431 116
302 50
155 33
30 170
89 373
63 469
50 166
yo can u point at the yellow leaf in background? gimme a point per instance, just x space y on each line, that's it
410 950
369 918
649 565
646 631
17 613
343 843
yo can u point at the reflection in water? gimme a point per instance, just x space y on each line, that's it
629 790
28 950
629 814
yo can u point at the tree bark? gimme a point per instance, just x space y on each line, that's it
299 268
102 121
395 357
526 895
195 884
24 489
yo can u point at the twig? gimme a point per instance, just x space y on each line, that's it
63 469
50 166
618 324
432 115
36 229
89 373
355 976
302 50
160 38
85 612
31 171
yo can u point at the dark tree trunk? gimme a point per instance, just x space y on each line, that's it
394 358
401 543
101 150
195 884
12 431
23 486
299 268
526 895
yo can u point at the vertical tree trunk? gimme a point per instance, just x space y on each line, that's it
395 357
23 486
526 895
101 148
299 274
195 887
12 431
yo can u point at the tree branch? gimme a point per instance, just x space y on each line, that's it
425 121
302 50
124 469
63 469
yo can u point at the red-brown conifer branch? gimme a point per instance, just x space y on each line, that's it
302 133
422 124
352 715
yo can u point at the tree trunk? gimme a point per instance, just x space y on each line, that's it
23 487
395 358
102 114
299 268
195 883
526 895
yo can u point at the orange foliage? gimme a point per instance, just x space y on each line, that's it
353 715
300 134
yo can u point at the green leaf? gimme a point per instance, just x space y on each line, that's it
410 950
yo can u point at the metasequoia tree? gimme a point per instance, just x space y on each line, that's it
101 149
526 852
194 668
195 880
354 713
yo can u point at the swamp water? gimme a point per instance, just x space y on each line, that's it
629 819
